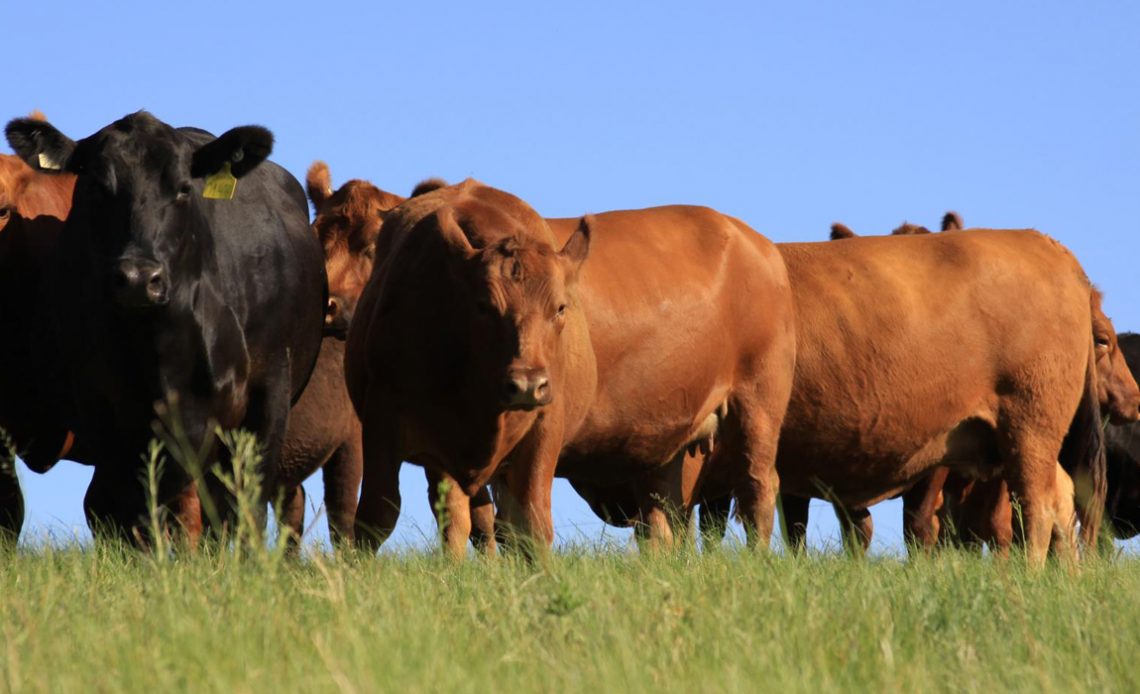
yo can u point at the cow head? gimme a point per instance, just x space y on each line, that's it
347 223
519 292
1117 390
138 195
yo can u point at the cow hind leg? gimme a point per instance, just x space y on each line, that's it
483 522
714 521
379 506
341 475
749 451
1064 541
1033 482
291 521
11 503
794 521
857 527
921 506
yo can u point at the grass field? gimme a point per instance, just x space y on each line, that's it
109 619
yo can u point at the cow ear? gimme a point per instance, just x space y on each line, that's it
577 247
318 184
242 148
952 221
39 144
841 231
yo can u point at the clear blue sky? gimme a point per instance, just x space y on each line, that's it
788 115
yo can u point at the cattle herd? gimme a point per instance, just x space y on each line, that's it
661 360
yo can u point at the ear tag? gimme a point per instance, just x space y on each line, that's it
220 185
47 163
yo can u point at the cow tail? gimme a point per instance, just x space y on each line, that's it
1083 457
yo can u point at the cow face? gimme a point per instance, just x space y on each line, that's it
521 292
139 196
347 223
1117 390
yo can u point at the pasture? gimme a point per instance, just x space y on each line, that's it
589 619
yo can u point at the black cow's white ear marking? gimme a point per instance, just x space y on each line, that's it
39 144
242 149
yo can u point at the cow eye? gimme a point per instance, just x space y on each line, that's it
4 212
561 311
1102 342
184 192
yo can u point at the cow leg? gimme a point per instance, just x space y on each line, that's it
11 502
483 522
658 493
857 527
292 519
714 521
186 508
794 517
529 481
452 508
341 476
921 504
749 450
997 517
1064 542
1034 483
379 507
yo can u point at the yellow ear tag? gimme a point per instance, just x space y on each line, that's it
47 163
220 185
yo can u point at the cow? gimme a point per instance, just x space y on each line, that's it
856 524
33 206
951 507
979 352
1122 452
186 275
990 362
478 347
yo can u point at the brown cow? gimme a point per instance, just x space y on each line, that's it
323 425
32 209
879 438
618 398
856 524
324 432
949 386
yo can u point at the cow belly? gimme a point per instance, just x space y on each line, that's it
882 467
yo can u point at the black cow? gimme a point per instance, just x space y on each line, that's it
162 291
1122 453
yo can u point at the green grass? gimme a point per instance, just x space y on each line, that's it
107 619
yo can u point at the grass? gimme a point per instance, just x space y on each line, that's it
112 619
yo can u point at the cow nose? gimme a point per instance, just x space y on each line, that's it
527 389
140 283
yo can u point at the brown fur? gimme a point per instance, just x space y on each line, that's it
626 430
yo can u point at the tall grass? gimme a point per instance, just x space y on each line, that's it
110 618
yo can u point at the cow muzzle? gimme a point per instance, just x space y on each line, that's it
527 389
140 283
